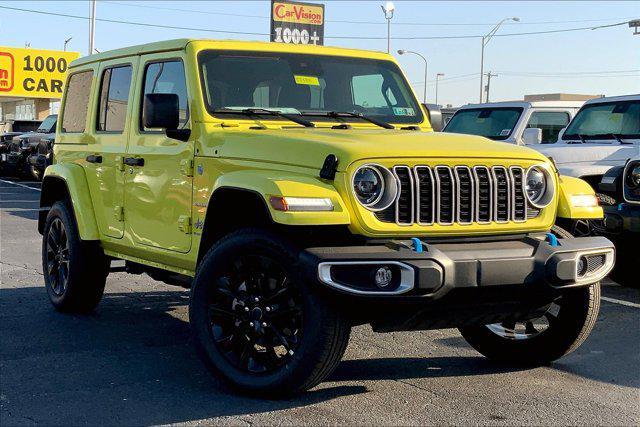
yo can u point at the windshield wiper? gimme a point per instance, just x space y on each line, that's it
264 111
341 114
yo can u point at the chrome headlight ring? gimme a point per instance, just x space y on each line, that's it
539 186
387 193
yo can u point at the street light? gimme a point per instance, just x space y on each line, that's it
437 77
485 40
388 9
66 41
402 52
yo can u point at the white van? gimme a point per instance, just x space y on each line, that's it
516 122
603 134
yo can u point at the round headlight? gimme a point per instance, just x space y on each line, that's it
368 185
538 187
633 177
375 187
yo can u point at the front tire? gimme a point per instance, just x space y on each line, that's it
562 328
75 271
256 325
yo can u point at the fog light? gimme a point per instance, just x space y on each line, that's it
582 266
383 277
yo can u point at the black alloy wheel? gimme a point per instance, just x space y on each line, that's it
57 256
255 314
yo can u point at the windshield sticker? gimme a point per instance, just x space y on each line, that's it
307 80
505 132
404 111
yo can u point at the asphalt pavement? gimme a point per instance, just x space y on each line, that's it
131 362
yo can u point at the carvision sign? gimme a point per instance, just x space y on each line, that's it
297 23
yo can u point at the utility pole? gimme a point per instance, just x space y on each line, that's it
92 25
488 87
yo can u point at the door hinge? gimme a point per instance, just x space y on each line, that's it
118 213
186 167
120 163
184 224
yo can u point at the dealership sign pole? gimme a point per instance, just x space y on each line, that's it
297 23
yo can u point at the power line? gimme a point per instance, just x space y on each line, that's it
172 27
573 73
366 22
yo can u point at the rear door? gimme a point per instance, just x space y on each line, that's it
110 129
158 183
551 122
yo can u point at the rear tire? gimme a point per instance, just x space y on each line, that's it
565 325
256 325
75 271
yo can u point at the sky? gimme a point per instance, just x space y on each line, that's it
593 61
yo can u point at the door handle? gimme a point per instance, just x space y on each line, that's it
94 158
133 161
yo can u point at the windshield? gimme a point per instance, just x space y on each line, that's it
607 120
306 84
48 125
494 123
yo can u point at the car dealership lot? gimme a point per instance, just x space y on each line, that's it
131 362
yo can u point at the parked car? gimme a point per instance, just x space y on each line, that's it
516 122
604 134
22 147
42 157
622 219
299 191
10 129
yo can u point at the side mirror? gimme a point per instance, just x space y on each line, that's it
435 116
161 110
532 136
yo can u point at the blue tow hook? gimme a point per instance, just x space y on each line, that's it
417 245
552 239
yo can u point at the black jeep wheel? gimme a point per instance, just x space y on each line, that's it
75 271
563 326
256 325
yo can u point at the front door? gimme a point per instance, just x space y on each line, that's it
158 178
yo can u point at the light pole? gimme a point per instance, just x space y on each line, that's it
402 52
485 39
66 41
388 9
438 75
92 25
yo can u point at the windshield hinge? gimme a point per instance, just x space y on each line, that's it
186 167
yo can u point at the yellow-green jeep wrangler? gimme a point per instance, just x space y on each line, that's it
299 191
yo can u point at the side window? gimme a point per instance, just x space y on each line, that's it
76 106
550 122
167 77
114 97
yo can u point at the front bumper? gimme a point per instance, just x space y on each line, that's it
530 261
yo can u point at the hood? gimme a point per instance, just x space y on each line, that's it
309 147
589 153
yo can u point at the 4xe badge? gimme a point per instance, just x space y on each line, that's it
6 72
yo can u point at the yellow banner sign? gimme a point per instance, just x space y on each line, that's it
299 13
33 73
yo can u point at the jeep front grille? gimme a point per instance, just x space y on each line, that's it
458 195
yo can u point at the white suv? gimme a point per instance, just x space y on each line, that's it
516 122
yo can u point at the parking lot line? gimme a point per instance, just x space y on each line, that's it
14 201
621 302
19 184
